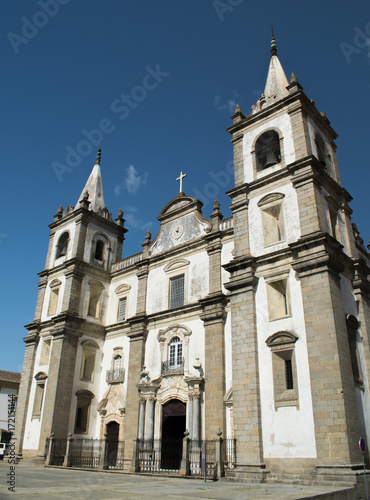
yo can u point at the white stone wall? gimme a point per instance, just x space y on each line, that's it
112 301
288 432
5 392
196 282
290 215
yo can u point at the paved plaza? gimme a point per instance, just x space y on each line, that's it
53 483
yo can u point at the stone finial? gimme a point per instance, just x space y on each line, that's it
84 202
238 116
216 216
186 433
293 79
146 244
59 214
197 365
98 157
219 432
273 49
120 220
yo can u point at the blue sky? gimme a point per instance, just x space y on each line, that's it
73 72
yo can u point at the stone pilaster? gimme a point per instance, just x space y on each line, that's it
307 182
300 133
80 237
246 386
361 287
58 394
239 208
213 316
137 336
142 276
40 296
318 264
72 291
31 341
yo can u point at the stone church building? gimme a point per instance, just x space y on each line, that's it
253 329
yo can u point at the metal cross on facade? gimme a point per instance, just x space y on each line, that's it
180 178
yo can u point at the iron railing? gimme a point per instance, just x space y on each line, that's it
168 368
115 375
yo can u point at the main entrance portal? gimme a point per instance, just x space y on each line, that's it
173 428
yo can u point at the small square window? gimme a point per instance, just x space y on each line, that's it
177 291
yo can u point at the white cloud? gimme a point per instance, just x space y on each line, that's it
226 106
135 222
132 182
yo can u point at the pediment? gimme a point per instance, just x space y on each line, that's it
180 205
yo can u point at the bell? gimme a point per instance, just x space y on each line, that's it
271 159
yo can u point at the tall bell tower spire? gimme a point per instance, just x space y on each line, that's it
94 188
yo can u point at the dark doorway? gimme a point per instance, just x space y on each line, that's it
113 432
173 428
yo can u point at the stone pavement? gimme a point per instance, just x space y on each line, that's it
54 483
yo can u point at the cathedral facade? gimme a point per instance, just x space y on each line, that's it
254 328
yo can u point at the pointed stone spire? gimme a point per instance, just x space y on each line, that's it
94 187
276 82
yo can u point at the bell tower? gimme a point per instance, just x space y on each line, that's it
69 324
292 230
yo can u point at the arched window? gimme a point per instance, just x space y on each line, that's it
175 352
99 250
268 150
117 372
62 245
89 351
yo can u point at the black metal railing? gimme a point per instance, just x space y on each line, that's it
169 367
195 457
116 375
86 453
230 453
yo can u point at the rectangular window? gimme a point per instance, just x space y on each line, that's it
273 228
45 352
177 291
278 299
122 309
53 302
289 374
82 416
39 398
88 365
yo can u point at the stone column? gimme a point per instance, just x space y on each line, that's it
140 434
31 341
67 457
196 421
151 402
190 416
